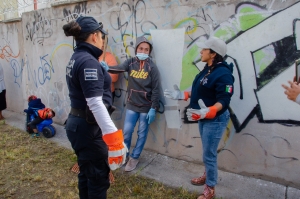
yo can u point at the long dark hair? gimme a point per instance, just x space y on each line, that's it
218 58
73 29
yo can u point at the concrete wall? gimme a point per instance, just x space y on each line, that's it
262 138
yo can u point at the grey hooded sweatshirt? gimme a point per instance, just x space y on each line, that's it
143 81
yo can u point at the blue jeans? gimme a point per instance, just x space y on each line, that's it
211 132
131 119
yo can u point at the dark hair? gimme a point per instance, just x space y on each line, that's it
218 58
73 29
53 113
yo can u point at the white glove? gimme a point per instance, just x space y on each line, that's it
204 112
176 94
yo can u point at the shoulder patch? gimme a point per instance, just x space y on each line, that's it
90 74
228 88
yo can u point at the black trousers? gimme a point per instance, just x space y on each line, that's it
92 154
34 122
93 179
3 100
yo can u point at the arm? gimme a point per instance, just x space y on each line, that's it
93 91
111 61
92 88
124 67
155 81
224 91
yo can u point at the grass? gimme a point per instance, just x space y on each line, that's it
38 168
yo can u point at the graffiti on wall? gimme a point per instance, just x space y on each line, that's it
128 20
39 29
7 53
72 12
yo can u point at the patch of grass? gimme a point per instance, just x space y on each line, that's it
37 168
34 168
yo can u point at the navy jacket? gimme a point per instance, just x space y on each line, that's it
34 105
213 88
86 78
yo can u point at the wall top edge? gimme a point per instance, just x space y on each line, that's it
66 2
12 20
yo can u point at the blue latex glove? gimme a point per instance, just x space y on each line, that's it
151 115
104 65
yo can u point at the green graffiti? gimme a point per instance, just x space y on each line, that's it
258 57
249 17
188 20
189 70
226 33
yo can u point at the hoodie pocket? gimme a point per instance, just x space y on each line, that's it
139 98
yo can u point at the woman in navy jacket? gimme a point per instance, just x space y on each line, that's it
210 97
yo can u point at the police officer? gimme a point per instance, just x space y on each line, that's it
98 144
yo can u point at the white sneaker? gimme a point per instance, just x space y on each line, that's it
131 164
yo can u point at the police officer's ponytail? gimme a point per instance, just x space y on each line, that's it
72 29
218 58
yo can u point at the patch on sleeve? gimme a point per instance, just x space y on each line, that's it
90 74
228 89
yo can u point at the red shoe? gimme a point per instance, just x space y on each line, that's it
199 181
208 193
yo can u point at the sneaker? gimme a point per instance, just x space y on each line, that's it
35 135
131 164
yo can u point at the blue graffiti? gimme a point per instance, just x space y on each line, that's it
18 70
45 70
30 73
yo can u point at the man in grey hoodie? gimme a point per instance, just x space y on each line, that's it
143 97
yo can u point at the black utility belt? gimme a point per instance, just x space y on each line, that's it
78 112
87 113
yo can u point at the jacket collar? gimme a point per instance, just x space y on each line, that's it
93 50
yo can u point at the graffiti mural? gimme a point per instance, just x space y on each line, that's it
73 13
39 29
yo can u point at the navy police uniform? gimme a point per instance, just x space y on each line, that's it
86 78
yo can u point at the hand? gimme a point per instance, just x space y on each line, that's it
293 91
116 149
151 115
104 65
176 94
204 112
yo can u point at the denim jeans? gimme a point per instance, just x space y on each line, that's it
131 119
211 132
